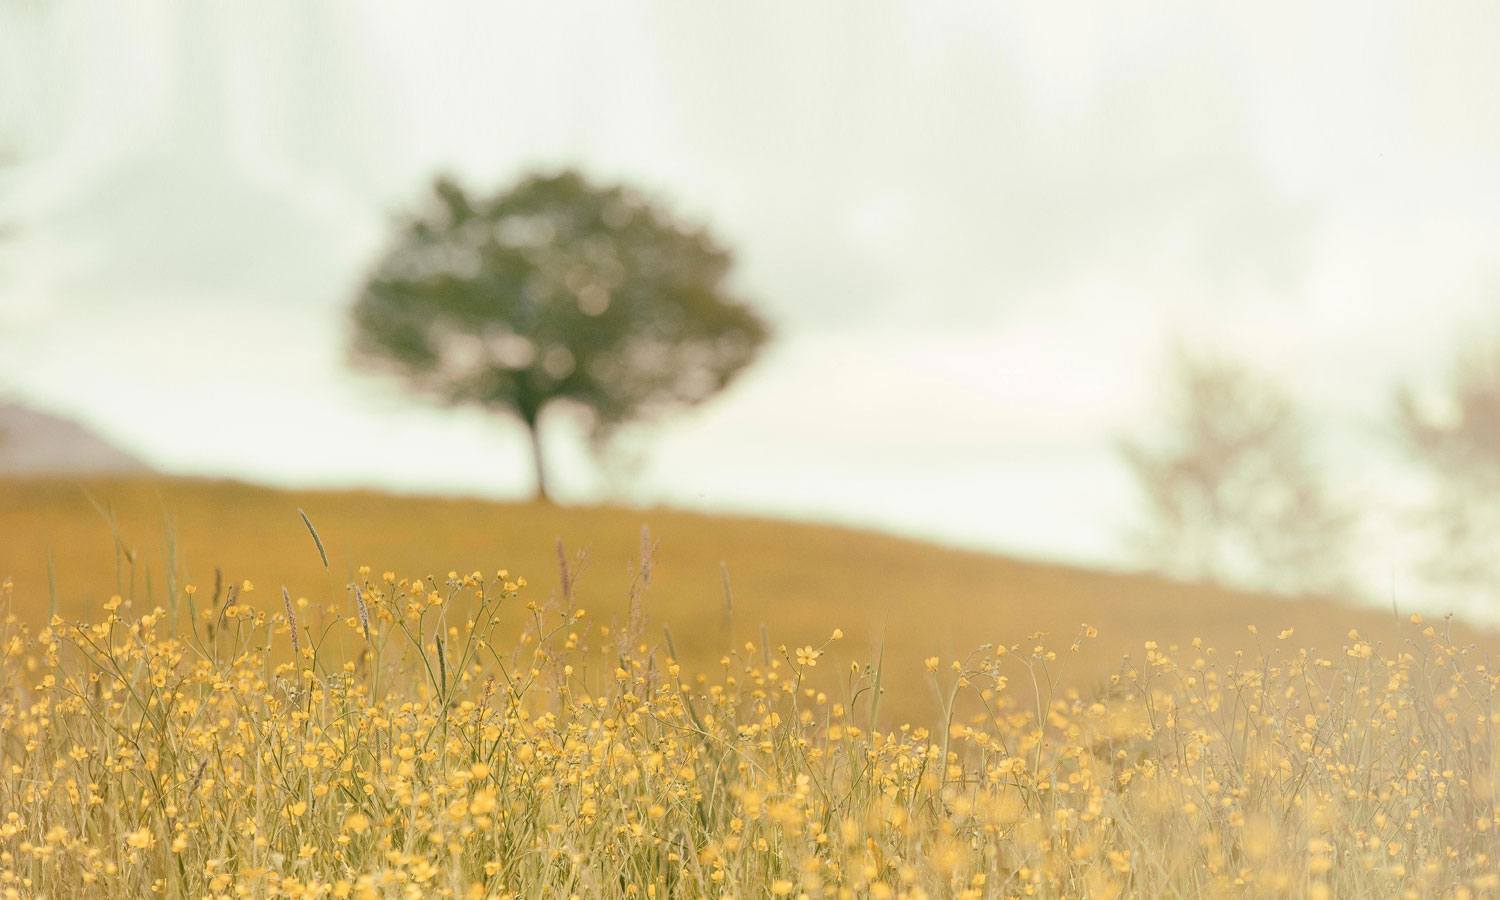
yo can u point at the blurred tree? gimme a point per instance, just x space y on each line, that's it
555 290
8 158
1455 436
1232 494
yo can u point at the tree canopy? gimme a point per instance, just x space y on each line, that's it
1231 489
555 290
1456 438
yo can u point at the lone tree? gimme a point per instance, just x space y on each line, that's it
1232 493
1456 439
557 290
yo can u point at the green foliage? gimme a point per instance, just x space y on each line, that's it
556 289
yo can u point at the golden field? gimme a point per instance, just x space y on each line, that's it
905 598
434 713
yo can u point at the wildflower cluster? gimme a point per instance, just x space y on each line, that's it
419 743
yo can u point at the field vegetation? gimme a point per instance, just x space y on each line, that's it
718 579
265 718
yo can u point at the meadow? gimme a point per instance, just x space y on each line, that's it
718 580
205 694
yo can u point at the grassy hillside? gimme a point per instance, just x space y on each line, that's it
915 599
435 745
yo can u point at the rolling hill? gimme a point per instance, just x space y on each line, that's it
797 580
33 442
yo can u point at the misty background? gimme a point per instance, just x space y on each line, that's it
977 228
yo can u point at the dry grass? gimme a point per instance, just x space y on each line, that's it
903 598
375 733
446 757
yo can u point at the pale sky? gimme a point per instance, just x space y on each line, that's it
975 225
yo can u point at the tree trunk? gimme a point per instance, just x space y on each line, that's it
538 462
